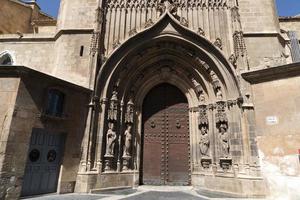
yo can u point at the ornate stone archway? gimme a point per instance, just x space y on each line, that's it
167 52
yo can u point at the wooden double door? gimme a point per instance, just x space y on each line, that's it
165 137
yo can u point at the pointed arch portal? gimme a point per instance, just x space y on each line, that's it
167 62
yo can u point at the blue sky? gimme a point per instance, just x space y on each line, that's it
284 7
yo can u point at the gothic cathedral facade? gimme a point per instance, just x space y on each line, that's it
148 92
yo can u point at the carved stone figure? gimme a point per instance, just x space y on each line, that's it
110 139
215 80
224 140
128 140
202 97
204 141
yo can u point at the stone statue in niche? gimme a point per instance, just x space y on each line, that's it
111 137
224 140
219 94
204 141
128 140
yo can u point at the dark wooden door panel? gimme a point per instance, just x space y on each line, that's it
166 141
152 164
43 163
178 164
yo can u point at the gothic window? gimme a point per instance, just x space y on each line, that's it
55 103
6 59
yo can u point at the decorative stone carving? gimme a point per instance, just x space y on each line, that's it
224 140
173 9
184 22
201 32
206 163
110 139
94 43
239 44
218 43
232 60
129 115
221 116
149 23
132 32
203 118
161 8
225 164
116 44
113 107
169 5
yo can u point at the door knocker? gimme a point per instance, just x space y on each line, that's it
153 124
178 124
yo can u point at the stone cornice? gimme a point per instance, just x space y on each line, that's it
261 34
273 73
7 71
289 19
43 38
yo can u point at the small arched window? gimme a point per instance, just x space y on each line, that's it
6 59
55 103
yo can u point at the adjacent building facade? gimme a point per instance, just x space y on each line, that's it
126 93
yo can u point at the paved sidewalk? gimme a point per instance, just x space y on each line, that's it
140 193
